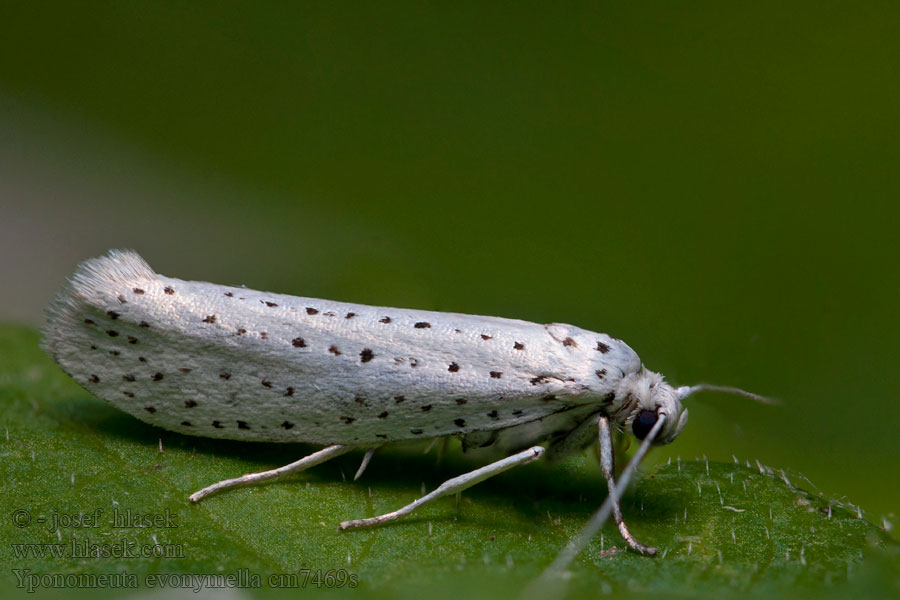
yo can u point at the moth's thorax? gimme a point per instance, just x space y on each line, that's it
645 390
594 362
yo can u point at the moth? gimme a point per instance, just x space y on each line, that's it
233 363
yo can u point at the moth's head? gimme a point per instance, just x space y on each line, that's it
650 398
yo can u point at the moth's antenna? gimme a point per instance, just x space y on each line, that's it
688 390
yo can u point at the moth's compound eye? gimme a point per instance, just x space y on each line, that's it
643 423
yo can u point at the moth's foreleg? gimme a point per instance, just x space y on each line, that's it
607 466
306 462
452 486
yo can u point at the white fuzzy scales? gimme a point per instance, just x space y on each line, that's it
228 362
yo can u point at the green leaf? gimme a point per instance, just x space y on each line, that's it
720 527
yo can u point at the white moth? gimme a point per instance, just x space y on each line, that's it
229 362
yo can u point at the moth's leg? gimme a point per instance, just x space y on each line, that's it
304 463
441 443
607 466
442 451
431 445
452 486
365 463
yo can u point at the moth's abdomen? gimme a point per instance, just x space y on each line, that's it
234 363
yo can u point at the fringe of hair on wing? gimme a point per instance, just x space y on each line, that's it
77 295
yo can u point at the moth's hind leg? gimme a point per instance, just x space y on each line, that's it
452 486
306 462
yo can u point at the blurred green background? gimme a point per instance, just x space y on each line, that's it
714 183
